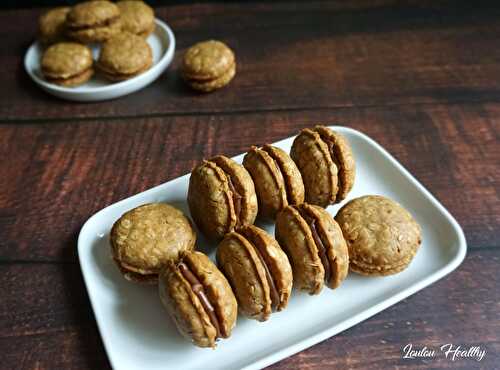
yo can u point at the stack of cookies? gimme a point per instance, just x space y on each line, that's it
372 235
121 29
208 65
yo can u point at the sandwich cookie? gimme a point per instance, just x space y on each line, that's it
124 56
257 269
221 196
277 179
198 298
136 17
93 21
208 65
146 237
381 235
51 25
315 246
325 160
67 64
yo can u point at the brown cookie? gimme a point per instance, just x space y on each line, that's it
381 235
93 21
208 65
136 17
326 163
277 179
146 237
124 56
67 64
221 196
51 25
257 269
315 246
198 298
216 83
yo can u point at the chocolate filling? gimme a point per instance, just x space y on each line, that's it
199 291
275 297
105 23
319 244
237 198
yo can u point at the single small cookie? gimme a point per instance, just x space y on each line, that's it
198 298
277 179
208 65
146 237
67 64
325 160
221 196
93 21
137 17
381 235
315 246
124 56
257 269
51 25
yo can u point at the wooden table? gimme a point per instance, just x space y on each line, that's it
421 77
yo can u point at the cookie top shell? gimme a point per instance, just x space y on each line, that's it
125 53
92 13
51 25
66 59
380 233
207 60
136 17
146 237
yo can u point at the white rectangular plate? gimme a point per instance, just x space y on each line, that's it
138 334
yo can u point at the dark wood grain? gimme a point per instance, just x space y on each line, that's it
70 171
420 77
46 322
295 56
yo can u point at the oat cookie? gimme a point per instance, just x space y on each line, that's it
381 235
325 160
257 269
208 65
67 64
221 196
93 21
198 298
315 246
277 179
136 17
51 25
124 56
146 237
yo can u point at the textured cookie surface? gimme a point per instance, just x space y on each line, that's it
319 172
150 235
207 60
92 13
66 59
382 237
341 153
136 17
51 25
214 84
125 54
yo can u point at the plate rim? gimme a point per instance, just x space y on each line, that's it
158 67
328 332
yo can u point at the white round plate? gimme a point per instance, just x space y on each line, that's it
162 42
